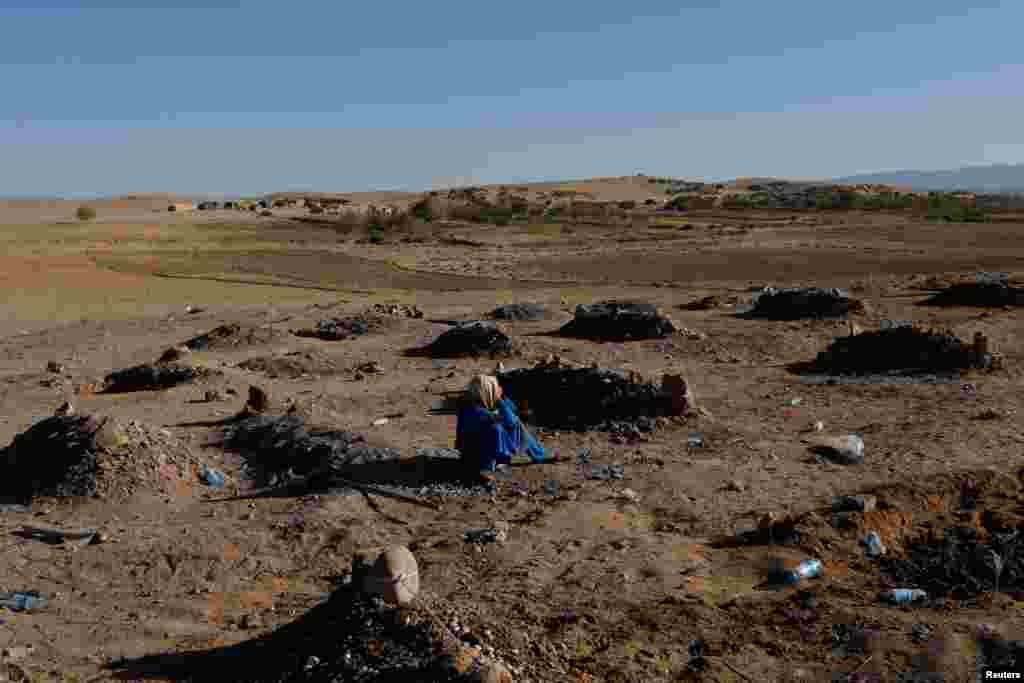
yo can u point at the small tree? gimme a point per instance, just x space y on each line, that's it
85 213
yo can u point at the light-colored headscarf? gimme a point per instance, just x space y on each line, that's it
483 389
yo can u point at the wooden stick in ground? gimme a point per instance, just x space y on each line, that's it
735 670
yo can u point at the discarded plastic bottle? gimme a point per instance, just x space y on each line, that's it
695 440
808 569
27 600
214 478
903 596
873 545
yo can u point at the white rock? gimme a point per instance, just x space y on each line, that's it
394 576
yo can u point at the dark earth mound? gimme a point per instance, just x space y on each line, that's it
334 329
797 303
283 451
980 294
585 398
223 337
54 457
475 338
350 638
903 349
617 321
148 377
292 365
960 565
523 311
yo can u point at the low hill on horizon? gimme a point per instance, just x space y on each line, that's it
994 179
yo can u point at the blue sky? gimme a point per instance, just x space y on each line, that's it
242 97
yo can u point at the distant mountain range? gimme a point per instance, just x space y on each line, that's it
997 178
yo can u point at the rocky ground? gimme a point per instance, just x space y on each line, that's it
624 561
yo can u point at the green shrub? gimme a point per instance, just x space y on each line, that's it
678 203
85 213
423 210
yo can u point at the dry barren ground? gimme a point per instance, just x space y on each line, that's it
590 585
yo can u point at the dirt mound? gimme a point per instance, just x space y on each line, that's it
562 397
475 338
617 321
961 565
83 456
796 303
523 311
981 294
400 310
292 365
147 377
282 449
334 329
227 337
903 349
350 637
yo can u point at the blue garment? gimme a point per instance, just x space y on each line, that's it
487 439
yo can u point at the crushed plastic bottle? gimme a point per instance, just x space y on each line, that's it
214 478
24 600
695 440
808 569
904 596
873 545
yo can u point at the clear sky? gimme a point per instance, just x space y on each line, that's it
241 96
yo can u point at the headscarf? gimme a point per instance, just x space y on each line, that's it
483 390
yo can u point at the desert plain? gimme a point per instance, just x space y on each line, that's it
599 581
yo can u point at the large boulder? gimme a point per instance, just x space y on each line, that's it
618 321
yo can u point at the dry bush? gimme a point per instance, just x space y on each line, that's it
85 213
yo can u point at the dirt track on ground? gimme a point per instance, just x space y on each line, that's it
643 577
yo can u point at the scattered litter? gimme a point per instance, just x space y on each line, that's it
192 310
54 367
334 329
618 321
873 546
439 363
400 310
903 596
58 536
695 440
695 651
148 377
552 487
14 507
380 421
968 392
628 495
20 601
793 402
213 478
521 311
603 472
961 565
862 503
920 633
841 450
225 337
498 533
808 569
